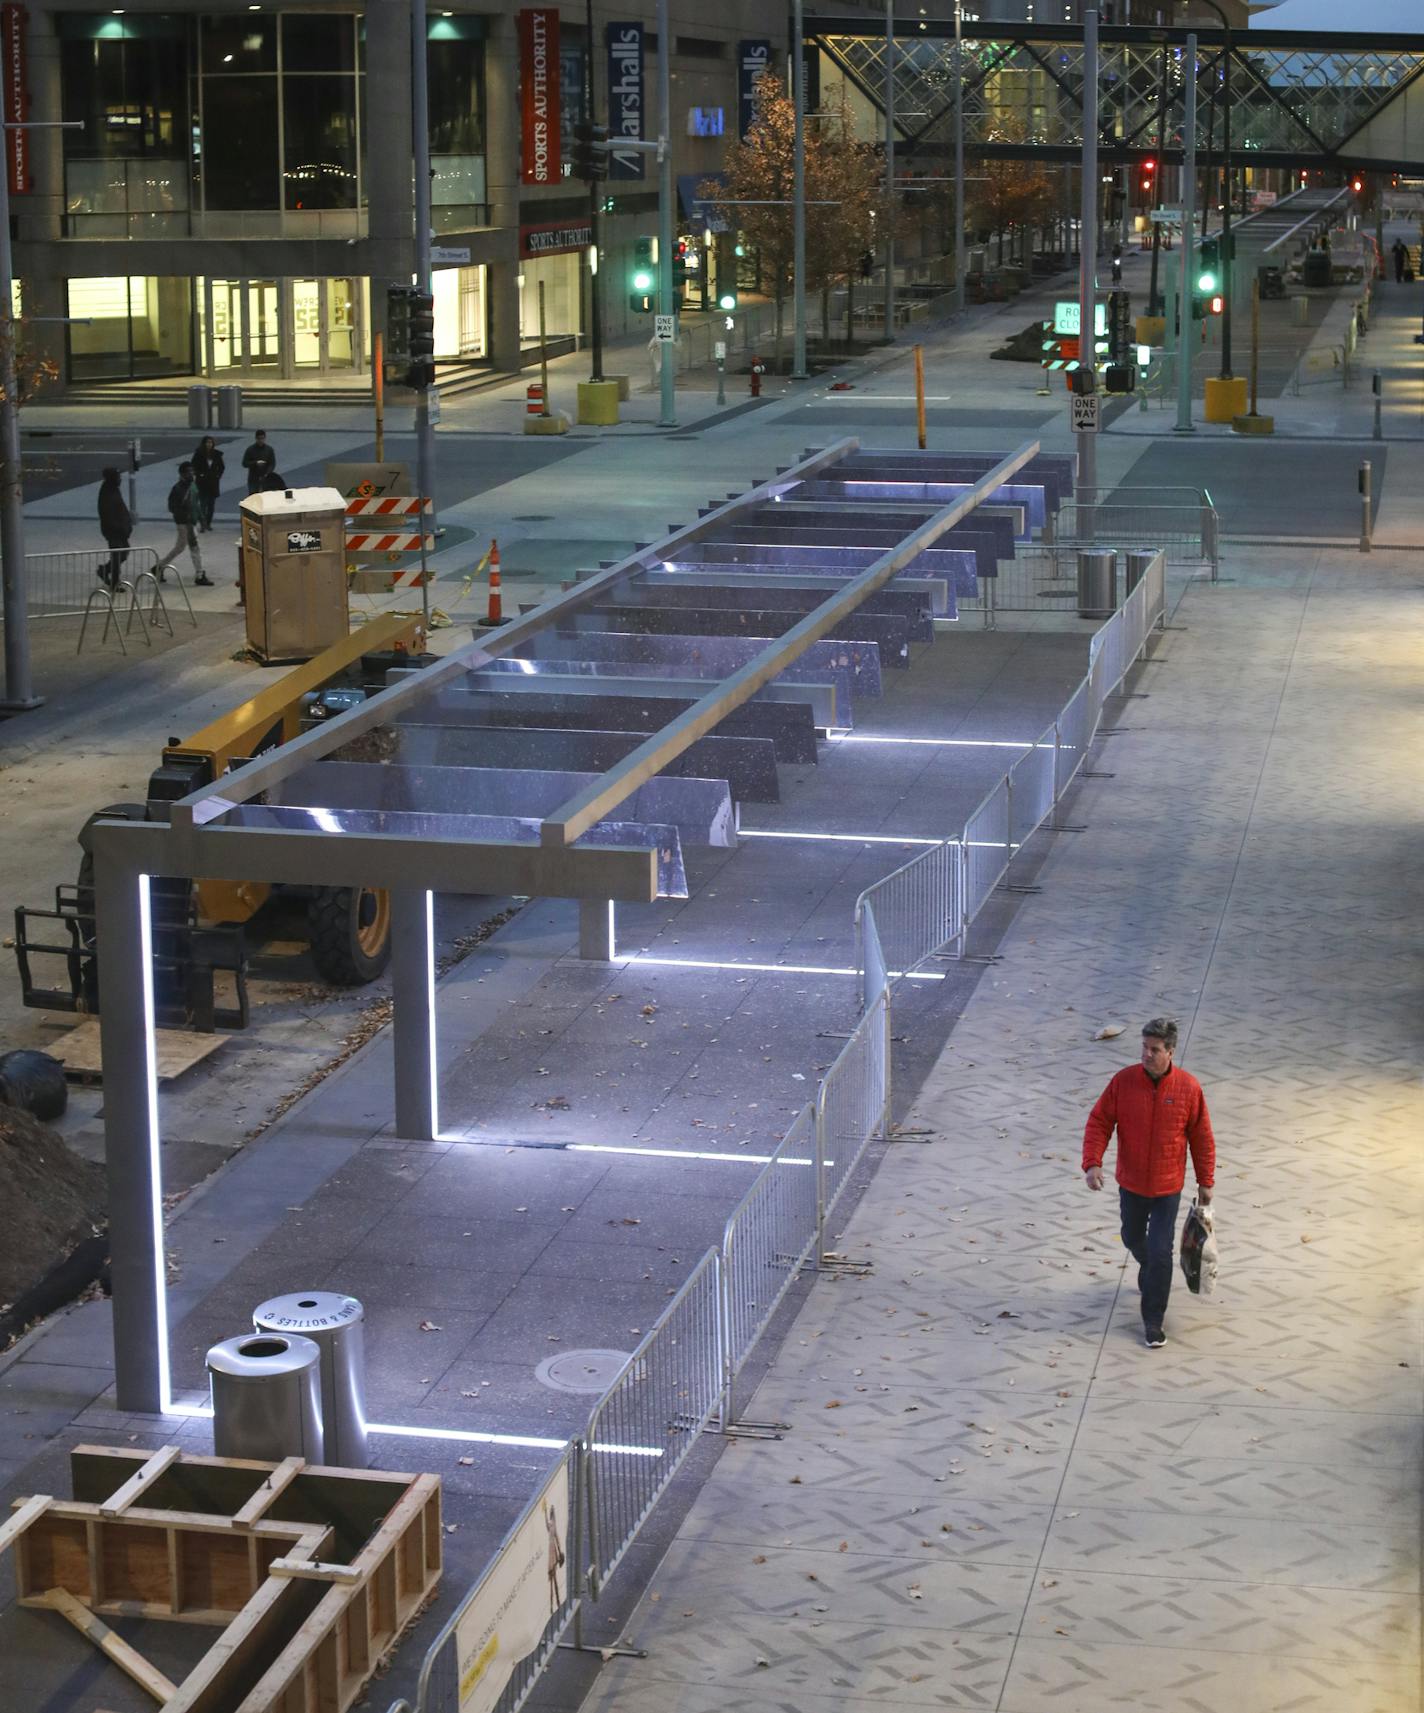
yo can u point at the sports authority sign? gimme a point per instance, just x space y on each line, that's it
522 1592
14 24
625 97
554 237
540 159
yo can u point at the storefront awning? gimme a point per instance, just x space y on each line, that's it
696 208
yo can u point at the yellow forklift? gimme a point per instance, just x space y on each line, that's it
198 926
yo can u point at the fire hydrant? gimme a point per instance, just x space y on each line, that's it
758 370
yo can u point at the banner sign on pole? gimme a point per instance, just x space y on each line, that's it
14 25
521 1593
753 58
541 160
625 97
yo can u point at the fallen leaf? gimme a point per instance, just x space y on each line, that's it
467 1461
1109 1032
430 1326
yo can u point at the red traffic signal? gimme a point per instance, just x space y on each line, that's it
1357 184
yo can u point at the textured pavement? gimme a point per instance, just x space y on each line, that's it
993 1496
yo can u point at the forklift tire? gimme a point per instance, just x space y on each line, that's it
350 930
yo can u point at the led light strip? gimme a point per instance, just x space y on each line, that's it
529 1442
766 969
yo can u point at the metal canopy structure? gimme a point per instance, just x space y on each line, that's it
1300 99
573 753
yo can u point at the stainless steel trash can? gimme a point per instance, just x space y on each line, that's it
1097 582
200 407
1135 562
334 1323
229 407
266 1390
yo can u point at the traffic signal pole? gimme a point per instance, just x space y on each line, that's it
667 366
595 194
420 150
1088 254
1189 221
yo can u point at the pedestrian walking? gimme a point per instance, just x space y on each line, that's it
259 461
208 470
1401 257
1159 1112
183 509
116 526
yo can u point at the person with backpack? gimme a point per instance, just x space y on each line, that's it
116 526
1159 1112
208 473
183 509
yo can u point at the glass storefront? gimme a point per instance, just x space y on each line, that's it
285 328
563 299
460 324
129 328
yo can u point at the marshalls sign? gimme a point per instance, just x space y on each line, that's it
522 1592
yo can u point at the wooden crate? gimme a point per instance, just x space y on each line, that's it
312 1572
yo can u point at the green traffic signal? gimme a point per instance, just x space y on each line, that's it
642 280
1206 282
727 301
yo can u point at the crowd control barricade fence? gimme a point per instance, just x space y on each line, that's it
445 1677
930 901
648 1420
682 1378
58 585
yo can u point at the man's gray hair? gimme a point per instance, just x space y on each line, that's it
1162 1029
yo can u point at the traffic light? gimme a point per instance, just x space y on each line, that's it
643 280
590 156
1119 340
421 372
1357 184
1209 266
727 299
398 325
1147 180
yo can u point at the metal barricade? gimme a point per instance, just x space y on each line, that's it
649 1419
986 850
438 1688
1075 728
852 1108
58 585
917 909
1031 791
767 1241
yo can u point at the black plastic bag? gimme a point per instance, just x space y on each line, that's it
34 1082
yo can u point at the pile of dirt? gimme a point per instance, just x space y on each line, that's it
1025 347
51 1201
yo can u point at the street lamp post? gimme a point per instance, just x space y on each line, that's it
889 170
798 194
1227 261
959 289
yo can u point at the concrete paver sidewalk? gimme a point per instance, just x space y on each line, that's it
993 1496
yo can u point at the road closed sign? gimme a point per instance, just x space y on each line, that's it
1086 413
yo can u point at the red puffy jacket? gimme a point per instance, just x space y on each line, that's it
1156 1123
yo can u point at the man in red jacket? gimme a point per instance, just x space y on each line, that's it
1158 1111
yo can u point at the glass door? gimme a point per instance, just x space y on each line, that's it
263 324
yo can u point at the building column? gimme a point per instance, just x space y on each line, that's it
40 213
414 1041
389 186
502 144
123 926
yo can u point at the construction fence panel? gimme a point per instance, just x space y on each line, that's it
648 1421
1075 728
852 1104
1031 790
986 849
460 1654
768 1240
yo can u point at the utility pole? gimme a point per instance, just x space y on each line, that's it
1088 252
1189 219
959 258
1154 297
19 687
667 364
798 195
420 150
889 170
595 196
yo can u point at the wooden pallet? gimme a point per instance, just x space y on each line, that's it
312 1572
175 1051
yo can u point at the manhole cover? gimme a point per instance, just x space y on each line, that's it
581 1370
534 517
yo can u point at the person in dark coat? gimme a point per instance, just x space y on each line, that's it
259 461
1401 258
208 474
183 509
116 526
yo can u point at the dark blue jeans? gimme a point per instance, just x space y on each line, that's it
1149 1229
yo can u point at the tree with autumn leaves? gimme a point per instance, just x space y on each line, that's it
846 206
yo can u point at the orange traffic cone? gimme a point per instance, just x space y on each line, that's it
495 613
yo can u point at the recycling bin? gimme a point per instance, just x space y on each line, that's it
266 1391
294 572
1135 562
335 1324
1097 582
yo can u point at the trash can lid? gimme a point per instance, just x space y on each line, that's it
260 1355
307 1312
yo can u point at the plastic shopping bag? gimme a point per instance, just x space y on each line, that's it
1200 1257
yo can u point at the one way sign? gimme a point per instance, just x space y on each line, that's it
1085 412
